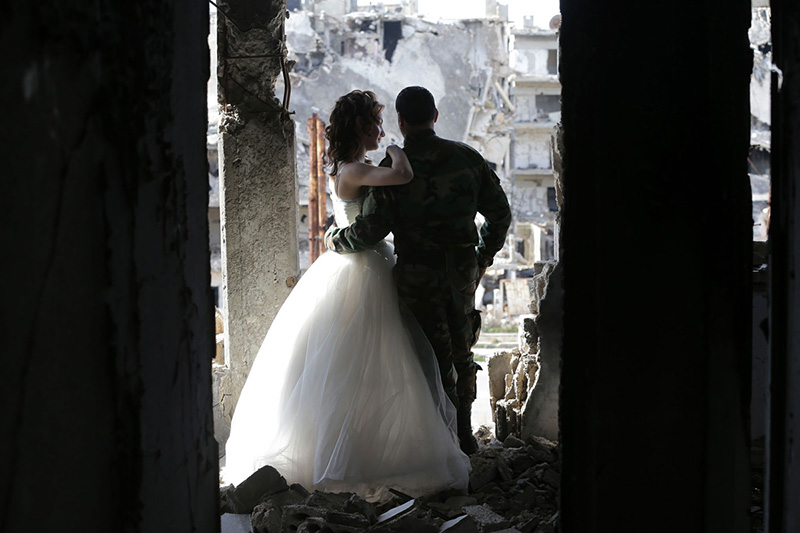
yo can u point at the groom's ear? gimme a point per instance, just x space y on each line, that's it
436 116
400 121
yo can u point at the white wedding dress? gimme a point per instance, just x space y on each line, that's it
345 393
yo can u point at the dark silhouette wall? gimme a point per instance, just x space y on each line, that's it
783 477
107 322
655 371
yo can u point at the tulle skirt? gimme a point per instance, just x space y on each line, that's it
345 393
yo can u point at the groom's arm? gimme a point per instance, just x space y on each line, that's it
372 225
493 205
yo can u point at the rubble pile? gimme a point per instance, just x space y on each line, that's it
514 374
513 488
512 377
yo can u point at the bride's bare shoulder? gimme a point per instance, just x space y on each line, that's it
348 182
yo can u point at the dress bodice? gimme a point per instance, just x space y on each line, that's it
345 211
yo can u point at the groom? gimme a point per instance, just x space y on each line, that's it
440 256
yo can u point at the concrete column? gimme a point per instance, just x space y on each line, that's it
783 447
657 316
108 324
258 191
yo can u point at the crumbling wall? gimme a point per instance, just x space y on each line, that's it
108 320
522 405
524 383
532 149
258 193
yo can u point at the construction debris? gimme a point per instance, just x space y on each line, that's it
513 488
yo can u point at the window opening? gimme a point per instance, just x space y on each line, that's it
392 32
552 61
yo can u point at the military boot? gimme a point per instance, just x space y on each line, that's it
468 442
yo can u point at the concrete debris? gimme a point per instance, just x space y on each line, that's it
513 488
513 442
520 405
518 374
486 518
243 499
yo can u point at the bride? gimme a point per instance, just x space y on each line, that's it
345 394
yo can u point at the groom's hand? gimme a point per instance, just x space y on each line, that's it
329 238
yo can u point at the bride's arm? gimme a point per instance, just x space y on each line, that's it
364 175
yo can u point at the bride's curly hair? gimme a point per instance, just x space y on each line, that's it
344 131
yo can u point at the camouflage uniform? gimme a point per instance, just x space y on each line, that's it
433 222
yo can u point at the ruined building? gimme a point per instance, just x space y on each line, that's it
109 329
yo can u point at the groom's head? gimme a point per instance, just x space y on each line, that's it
416 109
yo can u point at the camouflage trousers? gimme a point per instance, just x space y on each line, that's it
439 290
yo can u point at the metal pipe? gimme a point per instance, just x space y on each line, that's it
322 207
313 198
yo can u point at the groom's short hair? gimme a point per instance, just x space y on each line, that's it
416 105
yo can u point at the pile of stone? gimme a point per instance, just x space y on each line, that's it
513 488
512 378
524 382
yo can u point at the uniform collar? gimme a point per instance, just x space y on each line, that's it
419 135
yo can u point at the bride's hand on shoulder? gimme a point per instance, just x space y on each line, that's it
362 174
395 152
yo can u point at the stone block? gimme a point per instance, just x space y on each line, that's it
484 471
551 477
362 507
523 461
262 483
329 500
527 332
541 447
266 517
513 442
300 516
498 366
503 469
509 386
294 496
500 421
486 518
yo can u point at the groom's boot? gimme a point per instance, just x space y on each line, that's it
467 387
469 444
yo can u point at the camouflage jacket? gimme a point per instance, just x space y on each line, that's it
436 209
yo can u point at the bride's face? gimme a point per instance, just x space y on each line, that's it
374 135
